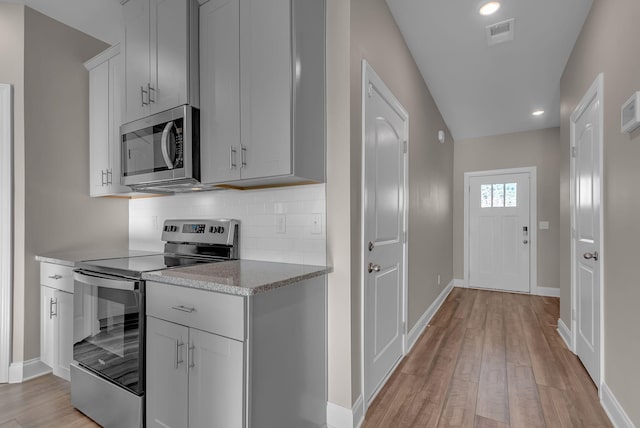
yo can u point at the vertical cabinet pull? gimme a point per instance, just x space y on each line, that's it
104 177
142 92
178 359
232 157
149 90
53 302
190 358
243 156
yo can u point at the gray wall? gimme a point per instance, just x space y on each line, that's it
523 149
53 209
609 44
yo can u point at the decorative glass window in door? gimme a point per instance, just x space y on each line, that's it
499 195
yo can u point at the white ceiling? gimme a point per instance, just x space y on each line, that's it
482 90
479 90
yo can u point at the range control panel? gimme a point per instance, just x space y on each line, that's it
221 232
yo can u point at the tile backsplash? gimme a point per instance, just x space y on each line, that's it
280 224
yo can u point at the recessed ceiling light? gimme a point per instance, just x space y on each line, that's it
538 113
489 8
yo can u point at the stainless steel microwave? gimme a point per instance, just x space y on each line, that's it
162 152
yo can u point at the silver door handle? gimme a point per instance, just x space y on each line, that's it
243 156
149 90
165 144
56 277
525 242
190 358
374 268
109 177
232 157
51 303
183 309
142 92
178 359
593 256
104 177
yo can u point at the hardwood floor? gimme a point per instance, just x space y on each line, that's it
41 402
489 359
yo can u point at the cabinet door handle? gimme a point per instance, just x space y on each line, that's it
104 177
190 358
109 177
56 277
183 309
142 92
149 90
232 157
179 360
52 302
243 156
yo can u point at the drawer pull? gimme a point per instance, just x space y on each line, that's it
55 277
183 309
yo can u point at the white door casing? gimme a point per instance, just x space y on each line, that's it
6 227
586 129
499 232
385 132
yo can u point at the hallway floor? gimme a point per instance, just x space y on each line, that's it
489 359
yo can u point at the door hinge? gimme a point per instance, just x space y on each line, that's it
370 90
405 147
574 151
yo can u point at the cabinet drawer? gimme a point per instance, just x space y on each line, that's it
57 276
218 313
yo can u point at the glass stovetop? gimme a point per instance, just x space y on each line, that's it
135 266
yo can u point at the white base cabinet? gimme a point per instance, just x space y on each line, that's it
194 378
252 362
56 302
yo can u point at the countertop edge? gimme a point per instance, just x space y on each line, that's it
56 261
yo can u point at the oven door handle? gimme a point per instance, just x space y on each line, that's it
106 281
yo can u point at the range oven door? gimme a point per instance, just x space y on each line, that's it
108 328
161 148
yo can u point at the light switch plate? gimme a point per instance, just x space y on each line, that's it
544 225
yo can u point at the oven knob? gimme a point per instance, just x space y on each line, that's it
174 228
166 228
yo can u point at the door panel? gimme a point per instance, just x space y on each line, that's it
499 232
587 237
136 57
384 166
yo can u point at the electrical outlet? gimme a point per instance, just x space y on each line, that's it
281 223
316 225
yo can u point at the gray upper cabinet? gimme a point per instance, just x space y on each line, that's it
160 56
262 68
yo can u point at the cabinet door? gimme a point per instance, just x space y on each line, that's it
99 129
216 380
115 120
220 90
64 345
48 322
136 58
169 54
266 94
167 376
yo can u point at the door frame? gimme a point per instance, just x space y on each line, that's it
6 227
596 91
369 75
533 221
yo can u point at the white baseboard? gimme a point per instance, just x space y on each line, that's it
565 334
459 283
614 410
341 417
22 371
417 329
546 291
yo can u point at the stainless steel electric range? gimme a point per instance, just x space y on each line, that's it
108 372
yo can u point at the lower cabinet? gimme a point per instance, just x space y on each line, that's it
57 330
194 378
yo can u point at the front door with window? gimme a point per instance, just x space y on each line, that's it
499 232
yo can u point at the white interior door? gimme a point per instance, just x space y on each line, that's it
499 232
587 142
384 195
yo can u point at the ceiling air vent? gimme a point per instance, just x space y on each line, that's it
500 32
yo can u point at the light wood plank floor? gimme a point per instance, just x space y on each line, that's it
489 359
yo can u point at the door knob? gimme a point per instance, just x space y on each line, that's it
589 256
374 268
371 246
525 242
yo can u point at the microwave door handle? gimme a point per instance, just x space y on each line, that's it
165 145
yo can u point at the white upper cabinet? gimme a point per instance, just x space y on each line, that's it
262 91
105 107
160 56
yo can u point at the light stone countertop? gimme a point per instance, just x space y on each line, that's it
70 258
239 277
